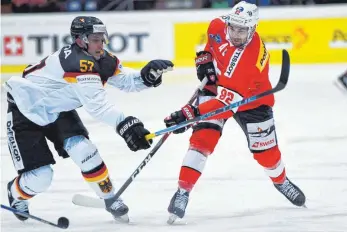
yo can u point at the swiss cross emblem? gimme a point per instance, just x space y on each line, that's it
13 45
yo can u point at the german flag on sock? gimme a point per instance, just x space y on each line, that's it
97 174
22 195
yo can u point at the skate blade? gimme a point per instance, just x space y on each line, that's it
122 219
340 86
172 219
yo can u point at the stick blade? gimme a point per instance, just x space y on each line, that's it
285 70
87 201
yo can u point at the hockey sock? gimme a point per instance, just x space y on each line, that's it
99 181
205 140
272 163
30 183
17 190
84 153
192 167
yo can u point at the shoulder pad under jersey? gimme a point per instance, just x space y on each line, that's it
74 59
108 66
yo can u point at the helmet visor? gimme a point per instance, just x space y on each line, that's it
99 33
101 29
96 38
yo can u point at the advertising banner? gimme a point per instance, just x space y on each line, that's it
311 34
322 40
133 42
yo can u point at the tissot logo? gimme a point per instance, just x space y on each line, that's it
118 42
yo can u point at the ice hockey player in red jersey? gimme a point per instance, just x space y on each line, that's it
236 62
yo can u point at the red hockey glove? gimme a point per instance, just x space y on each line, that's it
186 113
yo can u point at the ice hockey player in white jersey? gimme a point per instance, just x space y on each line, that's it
42 103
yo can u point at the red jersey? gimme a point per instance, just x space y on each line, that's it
241 72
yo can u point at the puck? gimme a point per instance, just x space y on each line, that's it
63 222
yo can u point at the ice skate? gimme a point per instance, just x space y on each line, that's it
21 205
118 209
341 83
292 192
178 205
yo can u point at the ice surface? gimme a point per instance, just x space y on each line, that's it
233 194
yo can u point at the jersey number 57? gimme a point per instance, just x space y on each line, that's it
86 65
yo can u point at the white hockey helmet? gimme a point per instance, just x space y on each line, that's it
244 14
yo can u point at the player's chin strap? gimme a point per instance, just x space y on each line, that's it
85 47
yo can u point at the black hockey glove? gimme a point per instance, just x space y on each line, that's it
133 132
151 73
187 112
204 67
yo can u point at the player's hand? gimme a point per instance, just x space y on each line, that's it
133 132
204 67
187 112
151 74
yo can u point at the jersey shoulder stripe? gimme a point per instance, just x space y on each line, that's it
263 56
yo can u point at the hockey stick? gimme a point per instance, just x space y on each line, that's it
280 85
87 201
63 222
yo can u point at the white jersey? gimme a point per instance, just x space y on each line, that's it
68 79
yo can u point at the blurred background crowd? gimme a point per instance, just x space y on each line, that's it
29 6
